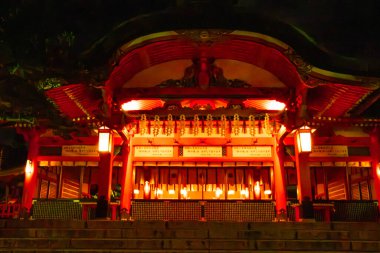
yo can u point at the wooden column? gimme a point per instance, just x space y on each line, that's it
127 177
375 153
30 181
303 175
105 175
279 177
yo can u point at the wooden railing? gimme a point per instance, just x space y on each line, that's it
247 211
9 210
338 210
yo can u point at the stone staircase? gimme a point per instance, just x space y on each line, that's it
187 236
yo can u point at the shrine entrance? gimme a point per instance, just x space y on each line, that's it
204 181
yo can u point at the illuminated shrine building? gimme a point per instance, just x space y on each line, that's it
204 118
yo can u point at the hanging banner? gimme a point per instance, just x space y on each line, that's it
252 151
154 151
329 151
80 150
202 151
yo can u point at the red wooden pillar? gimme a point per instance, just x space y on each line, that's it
105 175
30 181
375 153
303 174
127 177
279 177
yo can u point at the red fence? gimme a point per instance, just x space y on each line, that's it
9 210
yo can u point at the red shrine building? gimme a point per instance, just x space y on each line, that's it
208 124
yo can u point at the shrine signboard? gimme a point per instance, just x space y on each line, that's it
252 151
80 150
154 151
329 151
202 151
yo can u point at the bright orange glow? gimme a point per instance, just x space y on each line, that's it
231 192
264 104
144 104
184 193
275 105
28 167
131 106
158 192
267 192
378 170
105 139
146 190
304 139
257 190
218 192
136 191
245 193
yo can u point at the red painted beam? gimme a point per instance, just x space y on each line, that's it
127 94
335 140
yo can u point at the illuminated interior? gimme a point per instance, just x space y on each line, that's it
203 183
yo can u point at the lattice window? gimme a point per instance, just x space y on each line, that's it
44 188
364 190
355 192
57 210
52 190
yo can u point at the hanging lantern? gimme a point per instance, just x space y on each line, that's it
105 139
304 141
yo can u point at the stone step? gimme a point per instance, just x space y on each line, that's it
192 236
146 233
188 244
212 225
161 224
356 226
152 251
320 246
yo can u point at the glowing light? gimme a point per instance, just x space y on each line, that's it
304 139
282 130
131 106
231 192
157 192
218 192
144 104
378 170
105 139
136 191
257 190
264 104
267 192
146 190
275 105
28 167
171 192
245 193
184 193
